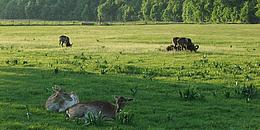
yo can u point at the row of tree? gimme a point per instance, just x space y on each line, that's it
188 11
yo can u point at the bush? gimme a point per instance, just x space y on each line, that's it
125 118
91 119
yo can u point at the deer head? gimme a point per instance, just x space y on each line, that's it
121 102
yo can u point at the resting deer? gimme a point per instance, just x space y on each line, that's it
59 101
107 110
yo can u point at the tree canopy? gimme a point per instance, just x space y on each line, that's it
187 11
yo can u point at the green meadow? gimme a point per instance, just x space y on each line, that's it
215 88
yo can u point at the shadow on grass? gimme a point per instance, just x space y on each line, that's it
157 103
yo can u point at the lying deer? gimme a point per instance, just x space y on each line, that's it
107 110
59 101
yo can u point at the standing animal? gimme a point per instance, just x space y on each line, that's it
107 110
65 40
59 101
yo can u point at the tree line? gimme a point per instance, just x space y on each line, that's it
187 11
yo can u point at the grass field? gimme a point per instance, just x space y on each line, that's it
110 60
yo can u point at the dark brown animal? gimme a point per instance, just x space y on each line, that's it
174 41
193 48
175 46
65 40
170 48
184 43
180 43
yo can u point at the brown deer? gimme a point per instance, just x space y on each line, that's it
59 101
107 110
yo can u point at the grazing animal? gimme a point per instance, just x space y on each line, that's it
181 43
68 45
193 48
174 41
174 45
65 40
59 101
107 110
170 48
184 43
188 45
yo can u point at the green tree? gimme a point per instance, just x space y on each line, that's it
154 13
77 12
234 15
128 14
198 11
188 11
157 10
244 14
86 13
126 11
226 17
32 9
20 8
218 7
252 11
258 11
208 8
3 4
106 11
146 9
177 10
12 11
89 10
169 14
